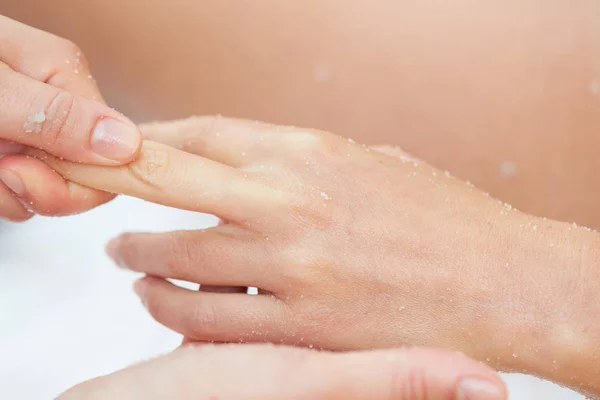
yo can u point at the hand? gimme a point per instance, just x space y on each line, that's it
352 249
50 102
267 372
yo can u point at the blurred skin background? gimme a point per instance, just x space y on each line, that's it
503 93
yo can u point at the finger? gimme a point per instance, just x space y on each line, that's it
220 289
11 208
62 123
211 316
44 191
413 373
243 143
7 147
171 177
46 58
222 256
229 141
274 373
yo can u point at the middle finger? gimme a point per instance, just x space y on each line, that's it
174 178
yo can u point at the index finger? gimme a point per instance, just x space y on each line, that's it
48 100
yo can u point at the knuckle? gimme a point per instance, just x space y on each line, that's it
152 168
310 211
204 125
70 48
408 386
182 254
53 123
306 141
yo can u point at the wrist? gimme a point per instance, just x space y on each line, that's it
551 316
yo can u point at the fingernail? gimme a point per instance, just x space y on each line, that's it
475 389
113 249
13 182
115 140
139 287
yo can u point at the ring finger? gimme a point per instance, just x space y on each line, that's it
225 256
203 316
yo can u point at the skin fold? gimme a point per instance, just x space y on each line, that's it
353 249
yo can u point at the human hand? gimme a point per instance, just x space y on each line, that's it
267 372
50 102
352 249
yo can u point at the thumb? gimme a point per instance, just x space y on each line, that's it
63 124
246 372
411 374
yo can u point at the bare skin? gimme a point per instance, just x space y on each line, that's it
48 101
246 372
353 249
503 93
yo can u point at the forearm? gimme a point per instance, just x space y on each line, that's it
550 321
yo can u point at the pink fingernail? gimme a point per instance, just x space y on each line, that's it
115 140
13 182
475 389
140 287
113 249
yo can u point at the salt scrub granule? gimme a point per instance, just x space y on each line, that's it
252 291
594 88
34 122
322 74
325 196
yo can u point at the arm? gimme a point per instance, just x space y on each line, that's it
357 250
548 323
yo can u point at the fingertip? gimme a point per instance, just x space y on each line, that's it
116 139
140 287
45 192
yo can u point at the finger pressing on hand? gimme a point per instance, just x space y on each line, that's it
62 123
35 185
164 175
275 373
